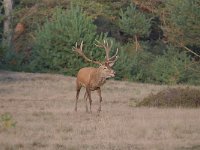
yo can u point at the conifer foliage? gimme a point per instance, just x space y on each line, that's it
134 23
55 39
158 41
183 21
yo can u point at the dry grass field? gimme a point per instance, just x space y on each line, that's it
37 113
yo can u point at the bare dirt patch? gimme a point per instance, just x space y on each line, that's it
41 106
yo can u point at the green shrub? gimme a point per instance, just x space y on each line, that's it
6 121
192 73
123 65
55 39
174 97
170 67
12 60
141 66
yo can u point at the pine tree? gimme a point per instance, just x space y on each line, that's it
134 23
181 22
55 39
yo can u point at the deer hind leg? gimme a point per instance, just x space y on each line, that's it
89 96
85 98
100 98
78 88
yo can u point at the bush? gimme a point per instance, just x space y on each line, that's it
6 121
141 69
54 42
12 60
123 64
192 73
175 97
173 66
170 68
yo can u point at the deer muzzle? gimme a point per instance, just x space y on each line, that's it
112 74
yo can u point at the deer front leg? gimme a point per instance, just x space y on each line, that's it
85 98
90 99
100 98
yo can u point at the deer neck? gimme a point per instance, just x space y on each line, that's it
97 79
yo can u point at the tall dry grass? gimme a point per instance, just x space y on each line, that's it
41 106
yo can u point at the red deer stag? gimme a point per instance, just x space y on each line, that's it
93 78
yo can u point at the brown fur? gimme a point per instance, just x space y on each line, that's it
92 79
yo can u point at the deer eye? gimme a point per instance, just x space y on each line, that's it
104 68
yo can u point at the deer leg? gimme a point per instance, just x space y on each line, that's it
77 96
85 98
90 99
100 99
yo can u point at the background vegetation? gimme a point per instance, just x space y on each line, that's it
158 40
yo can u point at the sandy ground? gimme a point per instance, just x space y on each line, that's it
42 117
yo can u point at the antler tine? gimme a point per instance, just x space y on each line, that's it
74 47
106 42
114 56
106 46
114 60
81 46
99 44
80 52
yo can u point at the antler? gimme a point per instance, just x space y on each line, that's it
80 52
107 48
114 57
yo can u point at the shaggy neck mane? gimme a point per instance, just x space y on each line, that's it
97 79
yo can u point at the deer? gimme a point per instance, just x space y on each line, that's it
92 78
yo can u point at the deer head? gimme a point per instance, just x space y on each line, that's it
104 70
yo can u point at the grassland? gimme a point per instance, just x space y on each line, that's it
41 113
